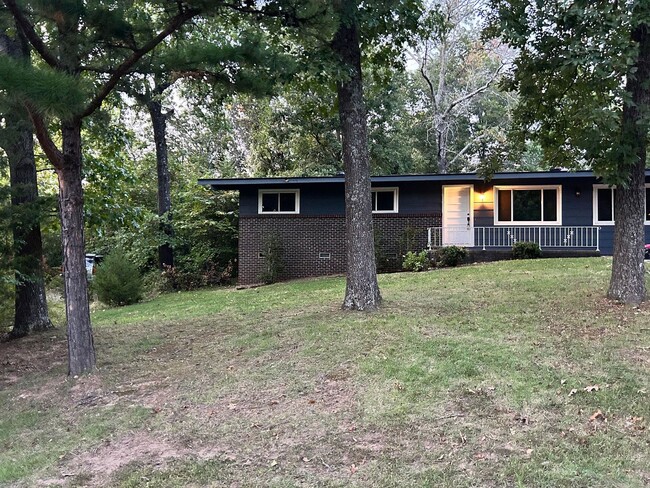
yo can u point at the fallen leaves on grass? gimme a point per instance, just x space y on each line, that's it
597 415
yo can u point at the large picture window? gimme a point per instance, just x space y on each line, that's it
279 201
384 200
528 205
604 208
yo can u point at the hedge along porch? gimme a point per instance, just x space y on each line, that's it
565 212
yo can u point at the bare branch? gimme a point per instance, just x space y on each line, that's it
467 146
473 93
28 30
423 72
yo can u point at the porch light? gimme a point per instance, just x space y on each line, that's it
481 197
577 192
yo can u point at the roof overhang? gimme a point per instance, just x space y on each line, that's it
239 183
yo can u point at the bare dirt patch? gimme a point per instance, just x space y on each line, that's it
38 353
98 465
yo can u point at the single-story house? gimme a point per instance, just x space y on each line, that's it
567 213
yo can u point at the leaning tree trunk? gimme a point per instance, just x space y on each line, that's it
30 303
362 289
627 283
81 348
30 312
158 121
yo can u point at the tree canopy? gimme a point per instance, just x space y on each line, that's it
583 75
570 72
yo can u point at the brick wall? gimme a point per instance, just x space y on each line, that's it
304 238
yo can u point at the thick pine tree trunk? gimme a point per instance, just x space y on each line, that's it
627 283
81 348
362 289
31 312
159 123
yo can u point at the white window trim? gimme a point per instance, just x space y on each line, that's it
498 222
594 212
264 192
395 191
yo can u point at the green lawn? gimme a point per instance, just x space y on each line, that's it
488 375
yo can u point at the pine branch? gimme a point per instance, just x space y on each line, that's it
174 24
28 30
42 134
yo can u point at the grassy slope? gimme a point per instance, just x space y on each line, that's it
464 378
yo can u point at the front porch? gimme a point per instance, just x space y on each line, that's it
583 238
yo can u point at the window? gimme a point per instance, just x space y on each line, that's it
604 205
384 200
532 205
604 209
279 201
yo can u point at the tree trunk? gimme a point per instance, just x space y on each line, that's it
31 312
442 148
81 348
362 289
159 123
627 283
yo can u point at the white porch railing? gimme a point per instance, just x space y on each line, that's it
502 236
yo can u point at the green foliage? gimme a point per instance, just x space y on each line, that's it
273 265
526 250
52 92
14 270
110 172
451 256
118 281
205 229
416 261
571 69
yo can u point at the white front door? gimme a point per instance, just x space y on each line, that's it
457 216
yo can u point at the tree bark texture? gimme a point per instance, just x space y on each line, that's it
627 282
159 123
81 348
362 289
30 312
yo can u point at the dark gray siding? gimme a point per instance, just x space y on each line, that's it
329 199
318 199
425 197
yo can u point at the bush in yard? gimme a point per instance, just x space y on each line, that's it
526 250
416 261
118 281
451 256
273 265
